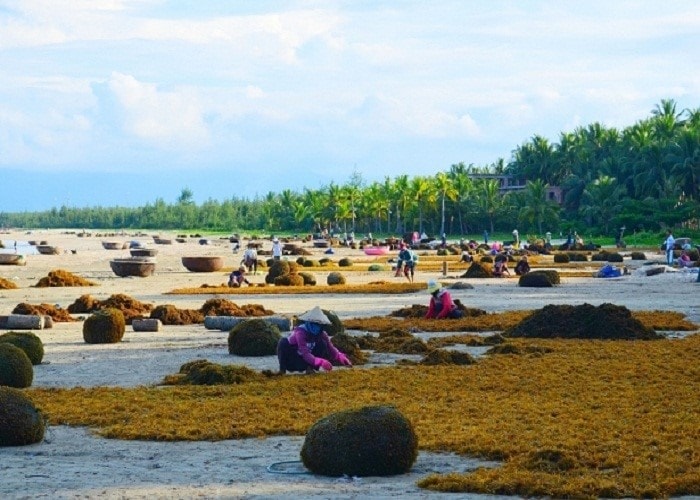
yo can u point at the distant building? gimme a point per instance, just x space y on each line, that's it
508 183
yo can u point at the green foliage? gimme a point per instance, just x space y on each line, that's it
21 423
106 326
370 441
253 337
15 367
30 343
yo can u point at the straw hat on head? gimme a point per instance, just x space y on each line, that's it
433 286
275 240
315 315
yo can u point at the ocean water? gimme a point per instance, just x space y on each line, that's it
18 246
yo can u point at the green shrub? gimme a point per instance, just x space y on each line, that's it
21 423
335 278
15 367
105 326
27 341
370 441
345 262
253 337
561 258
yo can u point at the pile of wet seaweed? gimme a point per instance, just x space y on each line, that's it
223 307
606 321
130 307
476 270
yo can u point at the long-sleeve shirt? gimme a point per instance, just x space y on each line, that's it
670 242
440 305
305 343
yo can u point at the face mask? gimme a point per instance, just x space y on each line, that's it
313 328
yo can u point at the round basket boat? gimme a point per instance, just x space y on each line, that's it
12 259
48 250
135 266
143 252
203 264
112 245
162 241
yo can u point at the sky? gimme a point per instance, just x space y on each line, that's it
123 102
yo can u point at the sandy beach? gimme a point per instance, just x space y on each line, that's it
73 462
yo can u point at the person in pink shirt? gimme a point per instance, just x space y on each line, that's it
441 303
309 348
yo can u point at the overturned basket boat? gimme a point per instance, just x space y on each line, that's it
143 252
48 250
203 264
134 266
112 245
12 259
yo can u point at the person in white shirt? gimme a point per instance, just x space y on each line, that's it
276 249
670 243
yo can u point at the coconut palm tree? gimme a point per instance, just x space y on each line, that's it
538 209
446 190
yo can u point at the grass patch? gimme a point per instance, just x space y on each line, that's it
588 419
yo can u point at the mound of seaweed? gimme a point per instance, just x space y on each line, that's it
476 270
606 321
446 357
349 346
21 422
224 307
29 342
6 284
59 277
105 326
204 372
15 367
369 441
130 307
395 341
56 313
170 315
253 337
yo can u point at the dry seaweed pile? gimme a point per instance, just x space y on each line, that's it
223 307
607 321
130 307
168 314
59 277
6 284
56 313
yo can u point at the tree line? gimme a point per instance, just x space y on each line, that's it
644 177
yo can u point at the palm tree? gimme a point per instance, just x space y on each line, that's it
602 201
446 189
538 208
488 199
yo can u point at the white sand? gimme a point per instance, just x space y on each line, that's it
72 462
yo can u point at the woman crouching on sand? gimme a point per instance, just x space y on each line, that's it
309 348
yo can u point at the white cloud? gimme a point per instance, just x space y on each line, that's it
172 119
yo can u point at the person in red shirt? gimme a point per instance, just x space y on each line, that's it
441 303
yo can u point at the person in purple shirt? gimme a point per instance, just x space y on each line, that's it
309 348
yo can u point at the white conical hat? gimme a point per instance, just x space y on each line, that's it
315 315
433 286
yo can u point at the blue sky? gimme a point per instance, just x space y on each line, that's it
120 102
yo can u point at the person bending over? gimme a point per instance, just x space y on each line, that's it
441 303
309 348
